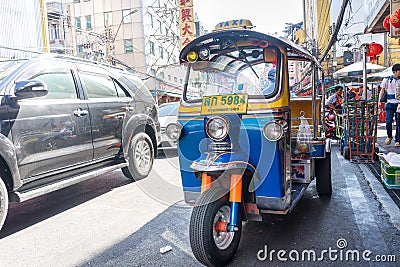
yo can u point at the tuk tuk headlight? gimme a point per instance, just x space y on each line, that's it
273 130
217 128
173 131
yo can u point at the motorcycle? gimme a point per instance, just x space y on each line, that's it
330 123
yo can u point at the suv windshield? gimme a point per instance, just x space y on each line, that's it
8 66
168 110
217 79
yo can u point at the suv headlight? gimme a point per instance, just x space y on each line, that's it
217 128
173 131
273 130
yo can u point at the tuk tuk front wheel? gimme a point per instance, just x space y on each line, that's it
209 246
324 175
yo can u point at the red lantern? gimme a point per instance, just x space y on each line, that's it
386 23
395 18
374 49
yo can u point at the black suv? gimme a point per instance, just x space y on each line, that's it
64 120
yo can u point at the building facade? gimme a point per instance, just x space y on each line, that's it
25 36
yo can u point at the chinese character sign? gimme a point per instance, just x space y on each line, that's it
186 22
185 3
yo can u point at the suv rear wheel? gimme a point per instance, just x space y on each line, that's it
3 202
140 157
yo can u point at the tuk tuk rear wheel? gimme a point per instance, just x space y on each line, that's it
324 175
210 247
346 152
341 146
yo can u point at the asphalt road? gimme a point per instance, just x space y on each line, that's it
109 221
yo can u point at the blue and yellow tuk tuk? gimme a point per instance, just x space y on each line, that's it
247 146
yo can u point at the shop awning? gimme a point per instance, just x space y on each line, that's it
356 69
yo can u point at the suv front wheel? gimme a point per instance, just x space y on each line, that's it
140 157
3 202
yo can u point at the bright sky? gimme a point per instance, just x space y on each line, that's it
269 16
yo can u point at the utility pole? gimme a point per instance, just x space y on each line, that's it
108 44
364 51
45 27
385 50
71 30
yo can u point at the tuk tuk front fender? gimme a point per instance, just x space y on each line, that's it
220 161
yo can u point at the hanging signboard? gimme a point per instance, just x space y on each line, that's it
186 22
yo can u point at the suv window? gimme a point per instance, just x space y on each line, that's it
60 84
135 82
121 91
99 86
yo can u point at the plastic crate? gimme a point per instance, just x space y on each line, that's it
390 175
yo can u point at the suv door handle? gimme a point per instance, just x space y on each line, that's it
80 112
129 109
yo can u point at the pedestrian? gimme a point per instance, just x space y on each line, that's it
390 85
335 100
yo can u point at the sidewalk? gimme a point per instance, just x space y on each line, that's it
380 140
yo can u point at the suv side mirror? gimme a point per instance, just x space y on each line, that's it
30 88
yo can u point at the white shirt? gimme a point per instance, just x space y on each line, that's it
390 87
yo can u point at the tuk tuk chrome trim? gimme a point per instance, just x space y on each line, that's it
208 164
221 166
220 146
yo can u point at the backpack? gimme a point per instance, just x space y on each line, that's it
384 96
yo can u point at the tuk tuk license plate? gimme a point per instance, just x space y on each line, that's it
224 104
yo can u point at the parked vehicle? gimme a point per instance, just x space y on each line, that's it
167 113
246 146
64 120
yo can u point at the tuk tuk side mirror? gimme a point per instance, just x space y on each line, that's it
270 55
30 89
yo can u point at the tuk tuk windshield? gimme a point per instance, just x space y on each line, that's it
218 78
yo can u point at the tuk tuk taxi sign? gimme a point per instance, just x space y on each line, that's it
234 24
